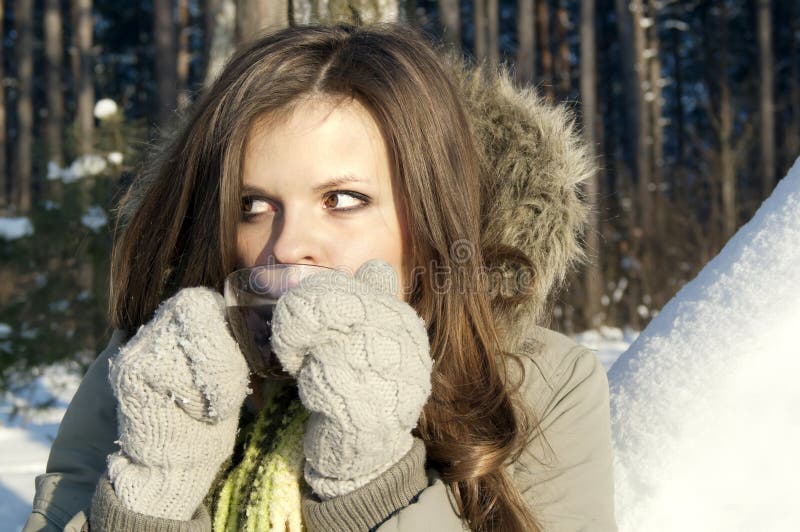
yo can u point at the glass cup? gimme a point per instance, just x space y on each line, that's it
250 298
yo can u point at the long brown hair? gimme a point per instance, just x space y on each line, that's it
181 223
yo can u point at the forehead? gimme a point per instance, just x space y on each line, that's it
316 136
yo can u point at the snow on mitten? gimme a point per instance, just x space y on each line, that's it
179 383
362 361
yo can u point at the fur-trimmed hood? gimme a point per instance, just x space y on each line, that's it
531 197
532 200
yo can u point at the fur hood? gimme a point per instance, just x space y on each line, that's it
535 163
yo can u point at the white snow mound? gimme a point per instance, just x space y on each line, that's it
706 402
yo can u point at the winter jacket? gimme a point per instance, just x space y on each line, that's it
569 484
534 165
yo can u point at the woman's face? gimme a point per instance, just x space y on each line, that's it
317 189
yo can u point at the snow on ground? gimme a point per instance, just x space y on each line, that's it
607 342
705 402
25 439
25 443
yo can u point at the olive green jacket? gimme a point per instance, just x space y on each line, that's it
568 484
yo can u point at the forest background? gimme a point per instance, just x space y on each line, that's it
692 109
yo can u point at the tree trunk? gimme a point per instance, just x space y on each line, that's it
644 234
644 139
727 168
493 41
588 65
332 11
24 57
479 25
4 180
409 15
564 75
183 54
220 23
793 138
54 51
165 59
85 116
656 101
85 83
679 112
450 15
766 96
255 16
368 11
680 182
74 58
526 41
543 20
633 89
209 17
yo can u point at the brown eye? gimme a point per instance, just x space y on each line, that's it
330 201
252 205
352 201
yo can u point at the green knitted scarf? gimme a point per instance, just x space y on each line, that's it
261 486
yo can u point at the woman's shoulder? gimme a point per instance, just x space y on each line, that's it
566 387
551 360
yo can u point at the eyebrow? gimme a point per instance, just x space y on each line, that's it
332 182
337 181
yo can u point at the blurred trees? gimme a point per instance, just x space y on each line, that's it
681 102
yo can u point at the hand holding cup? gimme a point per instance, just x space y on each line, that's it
361 358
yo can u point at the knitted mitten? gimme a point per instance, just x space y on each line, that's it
362 362
179 383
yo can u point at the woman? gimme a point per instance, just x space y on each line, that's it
460 189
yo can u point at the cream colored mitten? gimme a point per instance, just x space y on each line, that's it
362 361
179 383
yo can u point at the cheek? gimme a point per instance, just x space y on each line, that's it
387 245
249 244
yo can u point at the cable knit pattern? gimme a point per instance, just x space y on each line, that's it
179 382
362 361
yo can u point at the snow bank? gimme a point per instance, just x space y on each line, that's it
25 440
705 402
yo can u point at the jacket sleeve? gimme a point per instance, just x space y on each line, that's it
405 498
108 514
78 454
568 479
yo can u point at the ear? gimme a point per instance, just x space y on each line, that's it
378 275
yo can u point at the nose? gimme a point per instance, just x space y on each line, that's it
295 238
